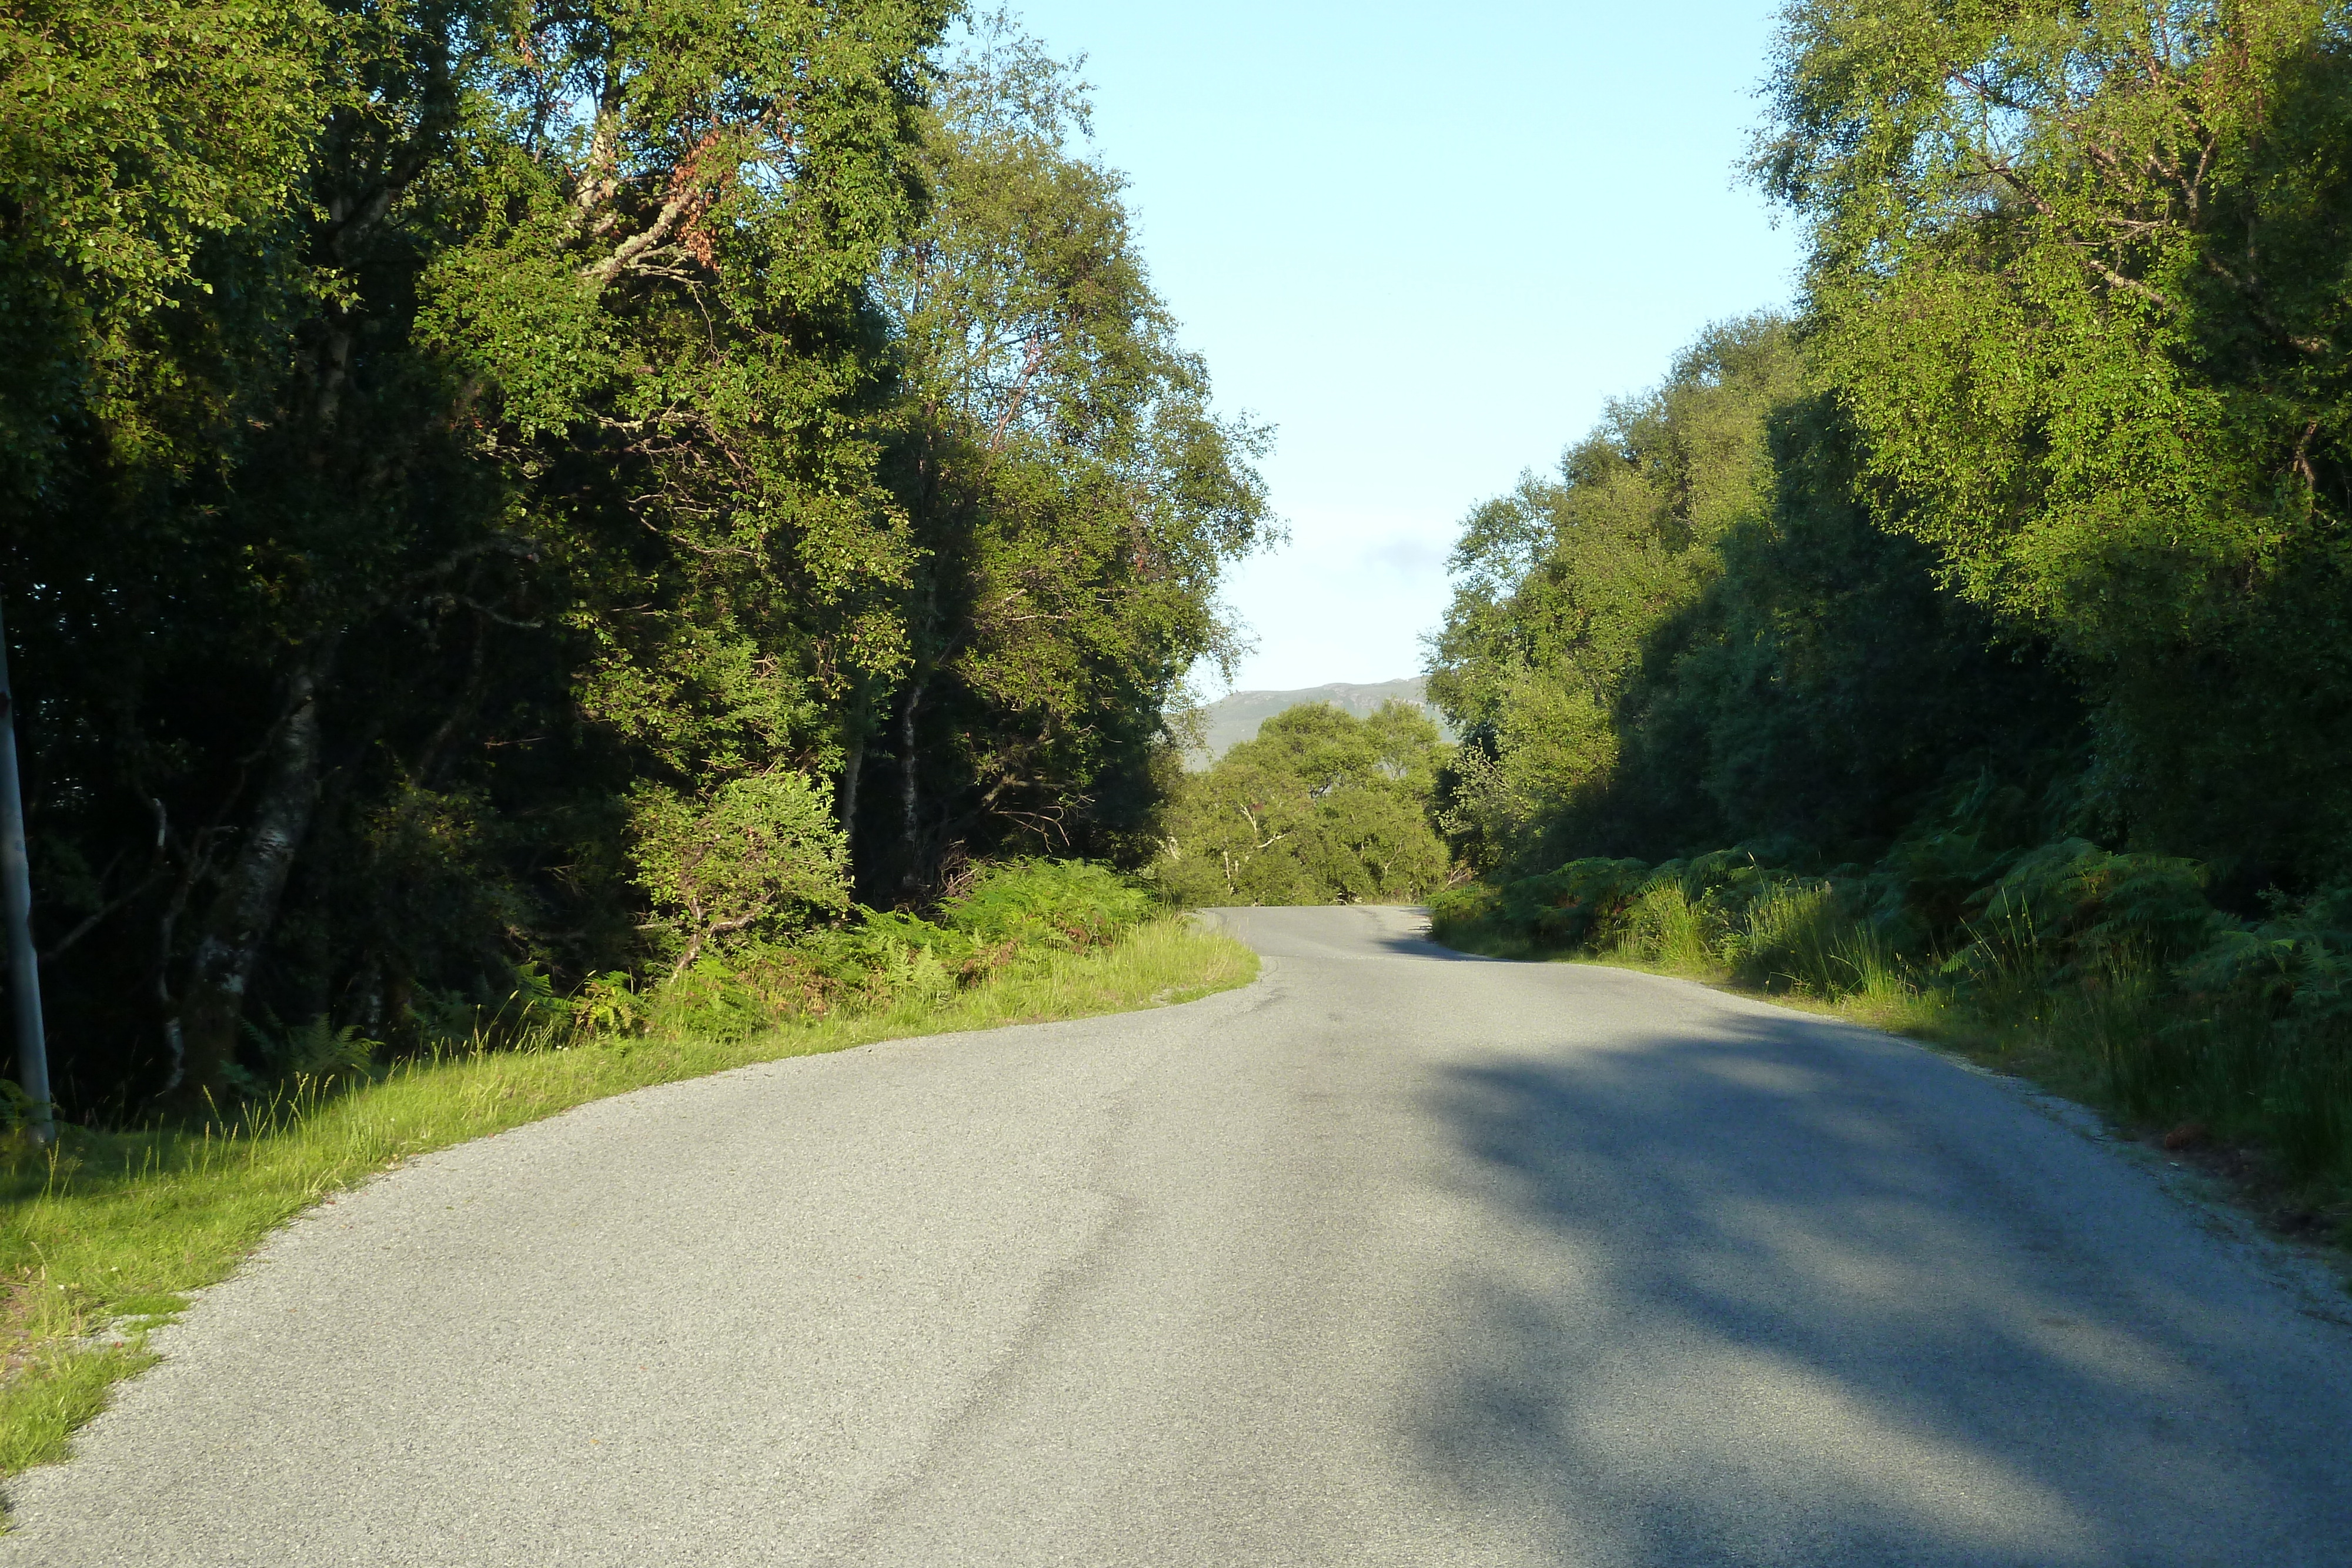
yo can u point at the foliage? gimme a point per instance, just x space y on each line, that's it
1562 585
1069 489
1012 917
1071 905
1321 808
761 855
313 1051
2078 276
145 149
1698 635
483 480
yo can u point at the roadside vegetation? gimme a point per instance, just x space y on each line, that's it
107 1230
1968 649
498 497
1320 807
2107 978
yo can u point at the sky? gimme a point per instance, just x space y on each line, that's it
1427 244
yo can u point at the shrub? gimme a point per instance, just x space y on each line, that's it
1457 910
1068 905
1014 911
313 1051
756 857
1791 936
2175 1011
1580 904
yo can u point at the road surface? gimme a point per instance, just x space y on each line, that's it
1390 1257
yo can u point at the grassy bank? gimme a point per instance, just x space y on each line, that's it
2234 1078
106 1233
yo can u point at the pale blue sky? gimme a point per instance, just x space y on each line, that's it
1427 242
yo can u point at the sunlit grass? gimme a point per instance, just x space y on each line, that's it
106 1232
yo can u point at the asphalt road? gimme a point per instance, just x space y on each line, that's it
1390 1257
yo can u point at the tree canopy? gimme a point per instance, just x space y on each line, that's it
1320 807
2044 483
495 489
2079 278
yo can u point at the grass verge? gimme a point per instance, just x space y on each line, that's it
106 1232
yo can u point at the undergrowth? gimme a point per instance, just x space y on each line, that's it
107 1232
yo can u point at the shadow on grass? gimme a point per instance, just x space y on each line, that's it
92 1162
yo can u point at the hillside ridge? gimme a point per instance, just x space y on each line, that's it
1235 716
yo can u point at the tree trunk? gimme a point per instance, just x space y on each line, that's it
237 925
909 800
853 763
16 894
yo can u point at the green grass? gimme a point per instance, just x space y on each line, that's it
106 1232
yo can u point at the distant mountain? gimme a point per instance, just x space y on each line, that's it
1234 718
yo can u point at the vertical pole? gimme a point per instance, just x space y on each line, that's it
17 896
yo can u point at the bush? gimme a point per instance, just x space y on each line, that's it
1792 937
757 856
1068 905
1580 904
1015 911
1666 927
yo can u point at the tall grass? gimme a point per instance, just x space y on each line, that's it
2119 1035
1788 939
1665 926
1866 968
106 1232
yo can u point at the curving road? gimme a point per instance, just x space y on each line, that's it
1390 1257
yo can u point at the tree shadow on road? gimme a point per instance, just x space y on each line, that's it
1781 1293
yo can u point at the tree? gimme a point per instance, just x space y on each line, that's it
487 476
1072 492
2079 279
1700 635
1320 807
759 856
1565 584
466 412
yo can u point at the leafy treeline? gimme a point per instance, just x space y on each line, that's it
1993 608
499 488
1697 634
1320 807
